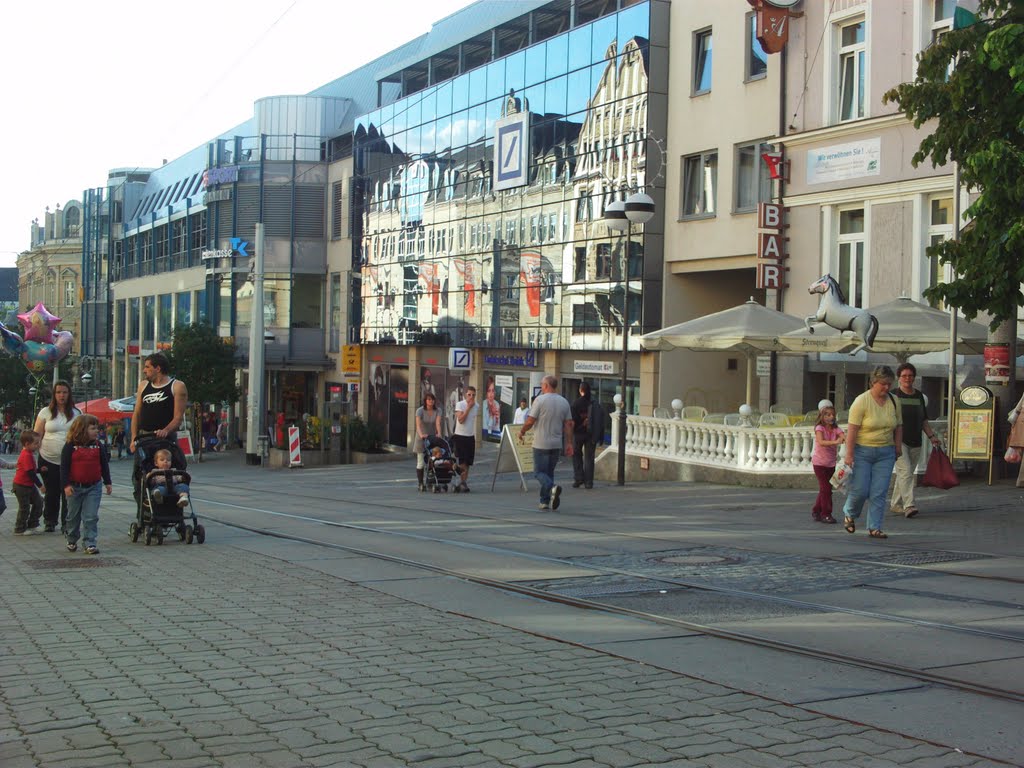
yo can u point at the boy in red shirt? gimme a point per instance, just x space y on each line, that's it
26 486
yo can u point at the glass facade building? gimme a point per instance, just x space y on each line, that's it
449 257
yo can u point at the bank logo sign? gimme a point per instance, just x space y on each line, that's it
512 151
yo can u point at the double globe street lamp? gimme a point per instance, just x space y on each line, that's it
621 215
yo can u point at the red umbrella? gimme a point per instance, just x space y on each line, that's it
101 410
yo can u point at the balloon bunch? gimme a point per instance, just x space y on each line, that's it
42 346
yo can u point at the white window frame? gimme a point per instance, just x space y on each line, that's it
936 28
70 292
853 239
700 35
761 173
931 232
706 213
833 71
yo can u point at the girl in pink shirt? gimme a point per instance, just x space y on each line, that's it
827 438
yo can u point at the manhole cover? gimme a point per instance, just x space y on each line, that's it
697 560
66 564
922 557
603 586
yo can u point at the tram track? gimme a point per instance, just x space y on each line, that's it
529 590
562 526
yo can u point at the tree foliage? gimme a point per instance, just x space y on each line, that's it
205 362
971 84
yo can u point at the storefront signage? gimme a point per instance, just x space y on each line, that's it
973 425
351 361
217 196
771 247
237 247
512 151
525 360
593 366
226 175
844 161
460 359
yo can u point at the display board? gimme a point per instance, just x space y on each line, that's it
515 454
972 427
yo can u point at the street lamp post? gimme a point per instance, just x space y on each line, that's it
620 216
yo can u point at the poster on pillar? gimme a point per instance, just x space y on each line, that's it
378 396
455 389
398 405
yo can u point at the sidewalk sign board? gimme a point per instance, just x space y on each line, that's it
972 426
514 455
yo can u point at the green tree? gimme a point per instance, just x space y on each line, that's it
969 90
205 362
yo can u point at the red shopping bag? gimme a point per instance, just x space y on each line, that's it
939 472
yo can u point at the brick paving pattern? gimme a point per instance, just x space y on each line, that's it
211 656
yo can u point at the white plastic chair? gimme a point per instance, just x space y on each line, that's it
694 413
732 419
784 409
771 420
717 418
662 413
812 415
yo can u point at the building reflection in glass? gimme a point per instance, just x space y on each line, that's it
446 259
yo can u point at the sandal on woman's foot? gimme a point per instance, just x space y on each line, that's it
910 512
851 527
877 535
828 519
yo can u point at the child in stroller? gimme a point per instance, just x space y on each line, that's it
439 463
164 476
162 494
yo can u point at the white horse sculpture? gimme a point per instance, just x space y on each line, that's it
834 311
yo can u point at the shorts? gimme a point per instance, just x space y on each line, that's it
465 448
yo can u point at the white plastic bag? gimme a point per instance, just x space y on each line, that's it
841 478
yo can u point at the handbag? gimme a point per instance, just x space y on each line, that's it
1016 438
939 472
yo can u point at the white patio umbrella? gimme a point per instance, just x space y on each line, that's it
905 327
748 328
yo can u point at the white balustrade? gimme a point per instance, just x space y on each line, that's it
781 451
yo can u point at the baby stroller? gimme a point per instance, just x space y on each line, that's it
439 464
156 518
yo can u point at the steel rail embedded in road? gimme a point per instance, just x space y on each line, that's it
741 637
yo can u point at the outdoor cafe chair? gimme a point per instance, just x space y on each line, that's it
773 420
732 419
717 418
662 413
784 409
694 413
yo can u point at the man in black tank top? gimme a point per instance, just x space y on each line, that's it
160 401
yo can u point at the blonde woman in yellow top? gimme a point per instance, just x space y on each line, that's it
873 441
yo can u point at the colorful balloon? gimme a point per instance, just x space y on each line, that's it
37 356
39 324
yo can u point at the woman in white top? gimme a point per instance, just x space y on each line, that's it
52 425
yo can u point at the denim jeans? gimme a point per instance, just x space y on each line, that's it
544 461
179 488
872 469
84 511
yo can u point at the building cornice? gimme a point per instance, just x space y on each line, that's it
844 130
894 191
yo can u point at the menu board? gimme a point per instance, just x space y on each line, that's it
973 422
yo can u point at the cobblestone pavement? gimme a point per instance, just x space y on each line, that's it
194 656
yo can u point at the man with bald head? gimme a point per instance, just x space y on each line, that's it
552 416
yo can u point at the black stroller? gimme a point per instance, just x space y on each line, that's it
157 517
439 464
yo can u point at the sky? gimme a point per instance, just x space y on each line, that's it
87 87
